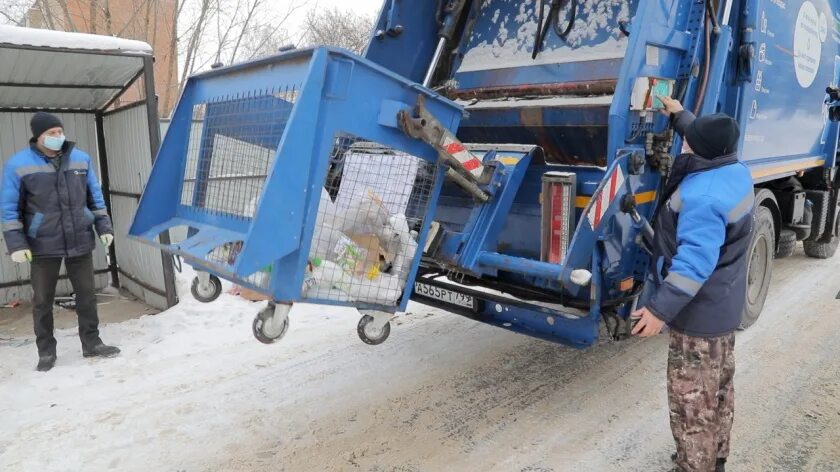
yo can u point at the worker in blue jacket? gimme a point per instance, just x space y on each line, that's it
702 238
50 203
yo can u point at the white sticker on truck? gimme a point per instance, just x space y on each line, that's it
807 44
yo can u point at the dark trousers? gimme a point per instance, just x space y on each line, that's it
45 272
701 398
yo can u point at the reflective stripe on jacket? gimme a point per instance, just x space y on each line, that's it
52 212
702 244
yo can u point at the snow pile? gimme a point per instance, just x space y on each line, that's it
61 40
595 36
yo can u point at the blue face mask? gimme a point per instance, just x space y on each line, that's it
54 143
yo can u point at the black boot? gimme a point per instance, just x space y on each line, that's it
101 350
45 363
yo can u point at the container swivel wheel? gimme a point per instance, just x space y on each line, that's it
374 327
206 287
271 323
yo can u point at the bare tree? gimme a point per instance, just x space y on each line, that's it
336 27
197 33
13 12
229 31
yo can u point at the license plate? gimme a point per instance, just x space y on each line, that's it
444 295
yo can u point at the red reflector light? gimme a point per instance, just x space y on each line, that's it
558 206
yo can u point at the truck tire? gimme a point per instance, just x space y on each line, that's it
822 249
760 266
787 243
820 200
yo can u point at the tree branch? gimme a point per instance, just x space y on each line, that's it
242 33
63 5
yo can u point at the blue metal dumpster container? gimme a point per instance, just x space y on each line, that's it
289 175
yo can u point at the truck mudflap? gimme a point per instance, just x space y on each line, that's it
290 176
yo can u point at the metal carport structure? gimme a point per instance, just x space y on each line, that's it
79 77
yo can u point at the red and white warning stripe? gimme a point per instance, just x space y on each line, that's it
457 150
602 201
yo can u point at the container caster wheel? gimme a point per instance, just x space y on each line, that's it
271 323
206 288
374 330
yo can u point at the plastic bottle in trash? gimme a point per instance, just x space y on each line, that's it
327 278
316 285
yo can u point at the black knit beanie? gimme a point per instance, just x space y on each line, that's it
43 121
713 135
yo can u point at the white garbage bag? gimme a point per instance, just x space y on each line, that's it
334 283
367 215
326 210
384 289
399 241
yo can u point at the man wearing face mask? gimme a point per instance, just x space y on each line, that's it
50 204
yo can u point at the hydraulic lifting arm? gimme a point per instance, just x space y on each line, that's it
464 168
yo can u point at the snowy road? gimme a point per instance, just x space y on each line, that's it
194 391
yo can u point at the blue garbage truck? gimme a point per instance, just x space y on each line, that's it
499 159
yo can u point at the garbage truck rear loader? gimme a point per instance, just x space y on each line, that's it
499 159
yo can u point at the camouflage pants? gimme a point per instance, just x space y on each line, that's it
701 398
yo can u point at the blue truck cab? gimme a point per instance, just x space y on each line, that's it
552 155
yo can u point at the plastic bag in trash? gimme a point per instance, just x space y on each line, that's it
367 215
381 289
322 292
384 289
326 210
398 240
316 287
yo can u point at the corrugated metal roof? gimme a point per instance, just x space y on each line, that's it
17 36
57 70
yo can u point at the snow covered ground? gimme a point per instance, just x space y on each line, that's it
95 414
193 391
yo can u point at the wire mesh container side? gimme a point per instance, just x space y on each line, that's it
226 255
232 146
231 149
372 208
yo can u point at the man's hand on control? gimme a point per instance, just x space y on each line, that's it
648 325
671 105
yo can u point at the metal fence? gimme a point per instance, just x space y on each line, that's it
126 139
